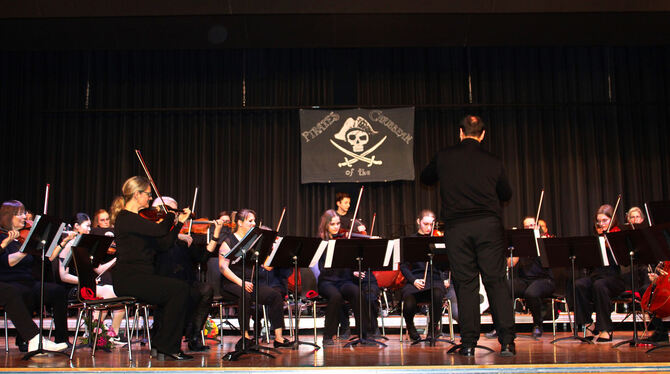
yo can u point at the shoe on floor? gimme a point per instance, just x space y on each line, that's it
537 332
508 350
491 335
656 337
47 345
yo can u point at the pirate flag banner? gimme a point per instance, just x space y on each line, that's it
357 145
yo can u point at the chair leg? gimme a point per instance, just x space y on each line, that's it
6 335
381 313
290 317
402 310
451 320
97 328
76 333
221 324
128 335
267 325
553 318
314 319
146 325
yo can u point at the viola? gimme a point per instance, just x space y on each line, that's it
23 232
197 226
656 299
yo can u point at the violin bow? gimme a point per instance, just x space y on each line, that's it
353 220
372 226
46 200
281 219
195 197
539 207
151 180
618 200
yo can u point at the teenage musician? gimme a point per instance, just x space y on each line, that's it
82 225
343 203
16 270
233 279
417 288
595 291
137 241
336 285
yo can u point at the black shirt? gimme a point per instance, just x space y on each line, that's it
472 181
22 271
138 239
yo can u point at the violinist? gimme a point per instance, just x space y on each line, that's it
417 288
336 285
67 274
660 334
222 228
137 242
178 262
634 217
233 279
101 219
343 203
16 270
595 291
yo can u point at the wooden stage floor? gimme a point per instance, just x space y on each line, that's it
532 357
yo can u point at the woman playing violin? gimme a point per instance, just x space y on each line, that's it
222 228
137 241
233 280
594 292
16 269
336 285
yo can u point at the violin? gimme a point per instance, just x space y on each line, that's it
656 299
156 213
23 232
197 226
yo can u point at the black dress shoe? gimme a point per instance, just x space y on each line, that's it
537 332
23 346
607 339
413 334
656 337
467 351
247 343
195 345
162 356
286 343
508 350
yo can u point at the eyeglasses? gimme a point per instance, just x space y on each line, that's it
21 214
149 195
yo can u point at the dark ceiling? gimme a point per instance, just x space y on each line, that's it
152 24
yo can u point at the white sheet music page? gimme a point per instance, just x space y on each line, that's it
319 253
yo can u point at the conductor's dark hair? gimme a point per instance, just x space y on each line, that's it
472 125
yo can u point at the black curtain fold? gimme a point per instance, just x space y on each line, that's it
584 123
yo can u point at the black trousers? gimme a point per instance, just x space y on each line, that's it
200 301
476 246
336 293
11 300
54 296
410 304
168 294
267 296
533 291
594 294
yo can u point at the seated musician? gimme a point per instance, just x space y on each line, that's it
101 219
222 228
16 270
660 330
635 217
179 262
68 276
232 282
594 292
417 288
532 282
544 230
336 285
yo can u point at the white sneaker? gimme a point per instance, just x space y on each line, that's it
47 344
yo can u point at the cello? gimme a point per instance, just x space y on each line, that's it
656 299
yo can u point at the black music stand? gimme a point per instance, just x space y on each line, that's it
239 253
582 251
658 212
296 252
94 244
364 253
43 231
523 243
631 245
420 249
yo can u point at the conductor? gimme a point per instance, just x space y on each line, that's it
473 186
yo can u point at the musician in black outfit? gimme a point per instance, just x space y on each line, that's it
16 271
336 285
473 186
178 262
137 242
232 279
417 288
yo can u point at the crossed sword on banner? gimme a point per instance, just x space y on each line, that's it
358 157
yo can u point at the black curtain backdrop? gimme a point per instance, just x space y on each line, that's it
585 123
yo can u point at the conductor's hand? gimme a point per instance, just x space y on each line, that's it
419 284
249 287
11 235
184 215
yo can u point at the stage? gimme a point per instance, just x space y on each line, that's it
533 356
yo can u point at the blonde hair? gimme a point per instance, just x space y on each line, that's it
130 186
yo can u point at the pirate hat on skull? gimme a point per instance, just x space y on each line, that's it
351 124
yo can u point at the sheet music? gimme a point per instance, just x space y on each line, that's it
275 246
319 253
390 251
603 250
330 253
56 240
396 254
537 236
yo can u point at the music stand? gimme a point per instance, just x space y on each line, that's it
295 252
627 245
93 243
563 252
523 243
363 253
418 249
261 250
239 253
657 212
43 231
